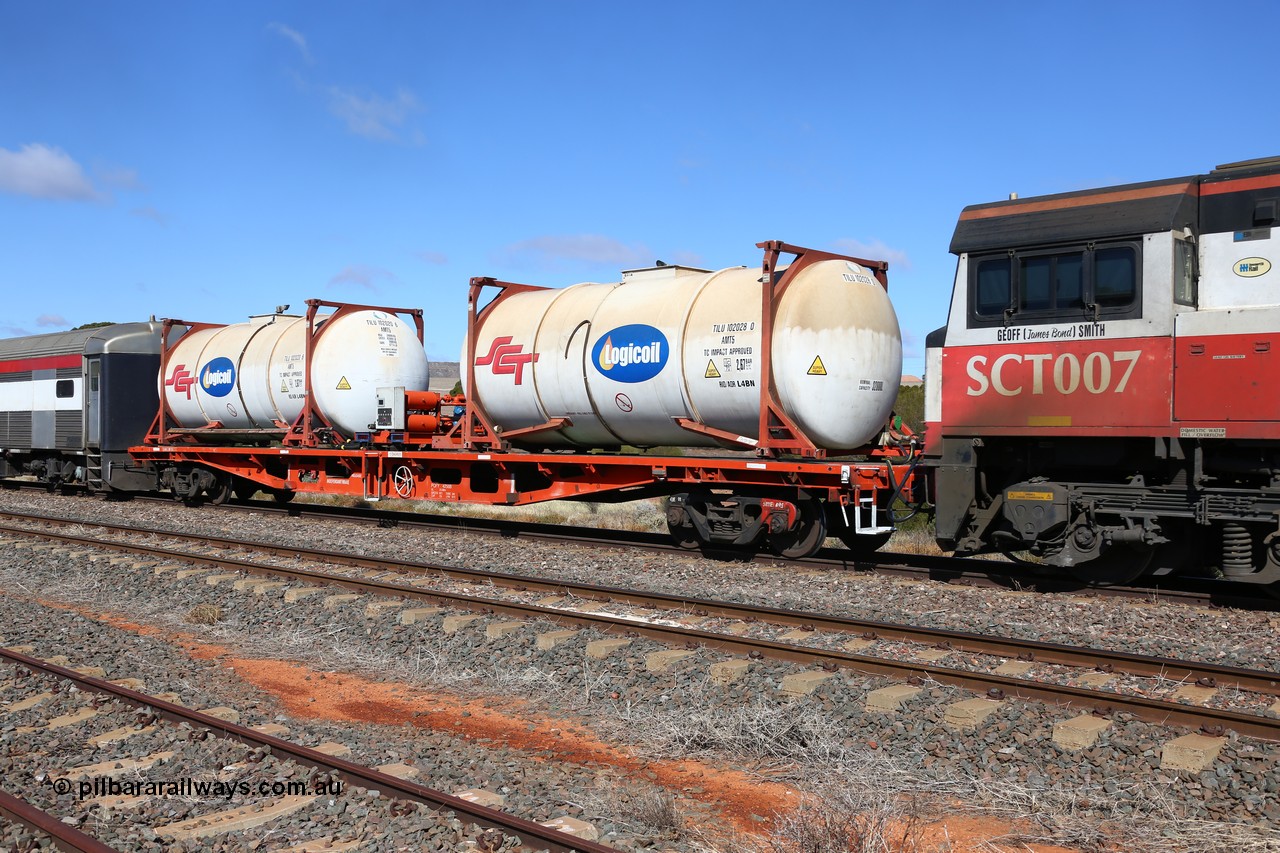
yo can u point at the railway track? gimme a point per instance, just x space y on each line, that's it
1000 668
73 693
995 574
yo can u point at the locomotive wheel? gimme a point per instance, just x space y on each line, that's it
1119 564
807 538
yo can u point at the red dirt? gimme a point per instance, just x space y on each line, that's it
310 694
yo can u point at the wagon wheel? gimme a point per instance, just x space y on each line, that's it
402 480
283 496
807 538
220 491
685 536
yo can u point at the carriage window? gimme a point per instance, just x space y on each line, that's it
64 389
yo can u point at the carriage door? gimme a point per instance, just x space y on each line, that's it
92 407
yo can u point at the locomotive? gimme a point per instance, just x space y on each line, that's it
1104 396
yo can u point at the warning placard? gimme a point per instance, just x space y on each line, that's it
711 373
817 368
344 385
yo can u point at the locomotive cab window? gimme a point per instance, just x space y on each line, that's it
1055 285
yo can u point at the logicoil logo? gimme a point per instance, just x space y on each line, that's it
633 353
218 377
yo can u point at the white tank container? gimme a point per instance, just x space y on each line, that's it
622 361
253 375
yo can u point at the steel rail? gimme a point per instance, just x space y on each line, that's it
531 834
65 837
1150 710
954 570
1258 681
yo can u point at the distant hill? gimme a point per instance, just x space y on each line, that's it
444 369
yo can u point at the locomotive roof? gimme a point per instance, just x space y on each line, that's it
119 337
1233 196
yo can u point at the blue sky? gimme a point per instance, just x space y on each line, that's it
208 161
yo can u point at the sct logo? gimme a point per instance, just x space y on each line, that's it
631 353
506 358
218 377
181 381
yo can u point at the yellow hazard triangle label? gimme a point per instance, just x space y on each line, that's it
284 389
343 384
817 368
711 373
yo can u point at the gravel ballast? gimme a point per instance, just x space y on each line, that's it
678 712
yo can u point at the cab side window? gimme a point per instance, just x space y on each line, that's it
1070 284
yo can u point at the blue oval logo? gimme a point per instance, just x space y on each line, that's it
633 353
218 377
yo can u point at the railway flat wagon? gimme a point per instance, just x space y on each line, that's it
785 373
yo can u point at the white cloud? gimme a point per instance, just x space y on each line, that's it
362 276
875 250
53 320
41 171
374 117
555 251
298 39
13 331
429 257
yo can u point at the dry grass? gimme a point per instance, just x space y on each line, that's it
644 516
849 820
204 614
641 810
